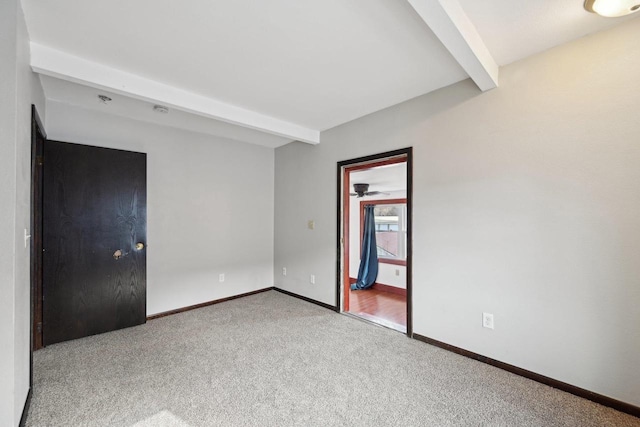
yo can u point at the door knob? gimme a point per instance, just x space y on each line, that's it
139 246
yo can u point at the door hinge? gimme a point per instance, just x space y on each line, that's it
39 160
39 327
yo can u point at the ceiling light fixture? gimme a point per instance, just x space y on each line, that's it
612 8
104 98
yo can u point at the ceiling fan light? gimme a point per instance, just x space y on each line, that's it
612 8
360 188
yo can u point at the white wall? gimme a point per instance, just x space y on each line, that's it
386 272
20 88
209 208
526 205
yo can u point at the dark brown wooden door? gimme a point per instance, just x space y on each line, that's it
94 205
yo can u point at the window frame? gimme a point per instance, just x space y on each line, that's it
363 203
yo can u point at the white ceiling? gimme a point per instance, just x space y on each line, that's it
513 30
284 67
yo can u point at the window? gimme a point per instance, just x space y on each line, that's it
391 229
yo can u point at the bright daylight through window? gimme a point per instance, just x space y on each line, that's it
391 231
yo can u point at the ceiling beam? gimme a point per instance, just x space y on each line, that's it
54 63
452 26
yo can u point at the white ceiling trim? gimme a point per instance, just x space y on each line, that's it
55 63
452 26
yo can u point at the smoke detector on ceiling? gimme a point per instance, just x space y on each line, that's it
104 99
160 109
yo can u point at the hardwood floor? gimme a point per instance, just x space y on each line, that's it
385 308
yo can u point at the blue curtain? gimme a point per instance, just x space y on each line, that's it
369 255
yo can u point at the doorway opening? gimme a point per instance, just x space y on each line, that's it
374 239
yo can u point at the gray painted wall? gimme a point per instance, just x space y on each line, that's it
29 92
8 89
209 210
526 206
20 88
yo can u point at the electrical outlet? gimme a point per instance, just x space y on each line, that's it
397 272
312 279
311 224
221 278
487 320
284 271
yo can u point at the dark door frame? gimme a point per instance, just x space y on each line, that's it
342 200
38 136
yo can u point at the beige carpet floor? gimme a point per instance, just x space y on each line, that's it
273 360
